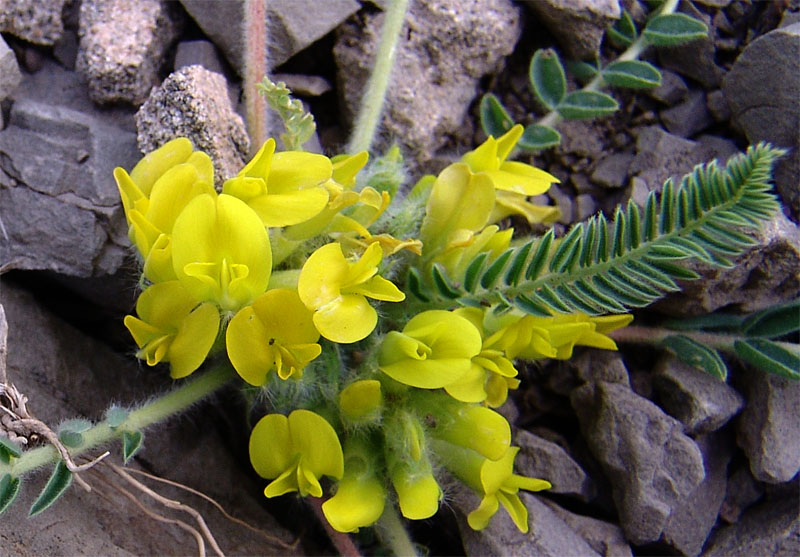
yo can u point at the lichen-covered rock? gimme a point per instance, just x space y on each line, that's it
652 465
292 25
767 429
10 76
764 95
703 403
36 21
193 102
446 46
578 25
122 47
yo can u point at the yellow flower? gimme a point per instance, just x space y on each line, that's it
221 251
173 328
282 188
360 494
434 350
275 332
361 400
416 488
494 481
336 291
296 451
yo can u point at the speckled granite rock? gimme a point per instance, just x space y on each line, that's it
36 21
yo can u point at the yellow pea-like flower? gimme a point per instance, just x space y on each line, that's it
282 188
336 290
494 481
295 452
221 251
274 333
173 328
361 400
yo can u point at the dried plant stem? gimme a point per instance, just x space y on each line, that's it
255 61
372 102
341 541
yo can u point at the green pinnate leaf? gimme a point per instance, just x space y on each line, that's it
547 78
495 120
493 271
583 71
632 74
9 489
623 32
58 483
537 137
131 443
674 30
584 105
697 355
774 322
769 356
415 285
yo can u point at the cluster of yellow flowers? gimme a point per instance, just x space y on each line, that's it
246 273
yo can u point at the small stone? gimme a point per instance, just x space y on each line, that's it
672 89
771 528
661 155
304 85
193 102
36 21
701 402
718 106
743 490
789 18
639 191
581 183
66 49
591 366
10 75
199 52
581 137
718 147
612 171
695 59
122 46
767 428
652 465
605 538
692 520
579 25
585 206
564 203
689 117
540 458
764 96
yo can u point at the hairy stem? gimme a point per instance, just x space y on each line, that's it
375 94
146 415
255 54
631 53
394 534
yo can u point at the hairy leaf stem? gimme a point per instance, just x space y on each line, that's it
394 534
255 32
146 415
375 94
631 53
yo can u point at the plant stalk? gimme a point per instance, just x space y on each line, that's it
147 415
255 54
375 94
394 534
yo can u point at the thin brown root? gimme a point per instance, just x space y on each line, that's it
202 495
201 546
169 503
341 541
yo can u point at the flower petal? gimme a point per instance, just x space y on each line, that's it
322 273
248 347
358 502
349 318
192 343
294 207
418 494
271 448
156 163
317 441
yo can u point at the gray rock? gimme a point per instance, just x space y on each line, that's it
584 138
691 521
578 25
540 458
718 147
10 76
66 374
695 59
764 95
652 465
772 528
304 85
743 490
549 535
701 402
585 206
638 191
765 275
661 155
35 21
605 538
65 50
612 171
193 102
564 204
199 52
57 161
689 117
292 25
767 428
591 366
671 91
718 106
444 50
122 47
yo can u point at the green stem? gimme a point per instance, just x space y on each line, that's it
373 99
147 415
393 532
631 53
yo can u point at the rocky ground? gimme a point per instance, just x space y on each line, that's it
646 456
